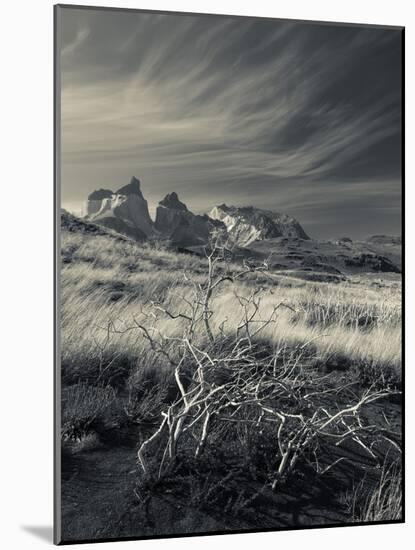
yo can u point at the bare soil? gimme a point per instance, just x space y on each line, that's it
98 499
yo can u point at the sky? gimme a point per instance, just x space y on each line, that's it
300 118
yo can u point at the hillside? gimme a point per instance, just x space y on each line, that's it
338 258
308 259
104 273
310 348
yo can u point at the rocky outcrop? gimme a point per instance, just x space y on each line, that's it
372 262
94 202
132 188
385 239
246 225
125 210
183 228
171 200
170 214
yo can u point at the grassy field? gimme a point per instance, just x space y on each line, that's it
356 322
338 341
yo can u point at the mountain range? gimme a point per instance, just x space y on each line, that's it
254 233
126 211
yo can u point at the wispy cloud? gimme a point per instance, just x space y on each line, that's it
277 114
80 37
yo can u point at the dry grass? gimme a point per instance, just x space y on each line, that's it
82 405
106 281
336 321
110 287
384 502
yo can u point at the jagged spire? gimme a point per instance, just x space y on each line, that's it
133 188
171 200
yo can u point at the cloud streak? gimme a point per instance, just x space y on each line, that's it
294 117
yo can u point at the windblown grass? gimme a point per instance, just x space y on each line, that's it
82 405
384 502
114 375
104 281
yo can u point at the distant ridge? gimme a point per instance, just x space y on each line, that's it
248 224
73 224
385 239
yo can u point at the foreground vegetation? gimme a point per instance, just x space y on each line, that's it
234 382
103 282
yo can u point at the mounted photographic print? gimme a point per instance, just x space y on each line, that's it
228 274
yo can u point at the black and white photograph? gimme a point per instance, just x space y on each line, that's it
229 197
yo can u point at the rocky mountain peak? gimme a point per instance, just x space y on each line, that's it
248 224
125 211
180 225
132 188
171 200
100 194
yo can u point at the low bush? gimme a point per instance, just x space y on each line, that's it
82 406
145 404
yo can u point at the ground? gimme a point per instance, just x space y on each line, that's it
345 333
